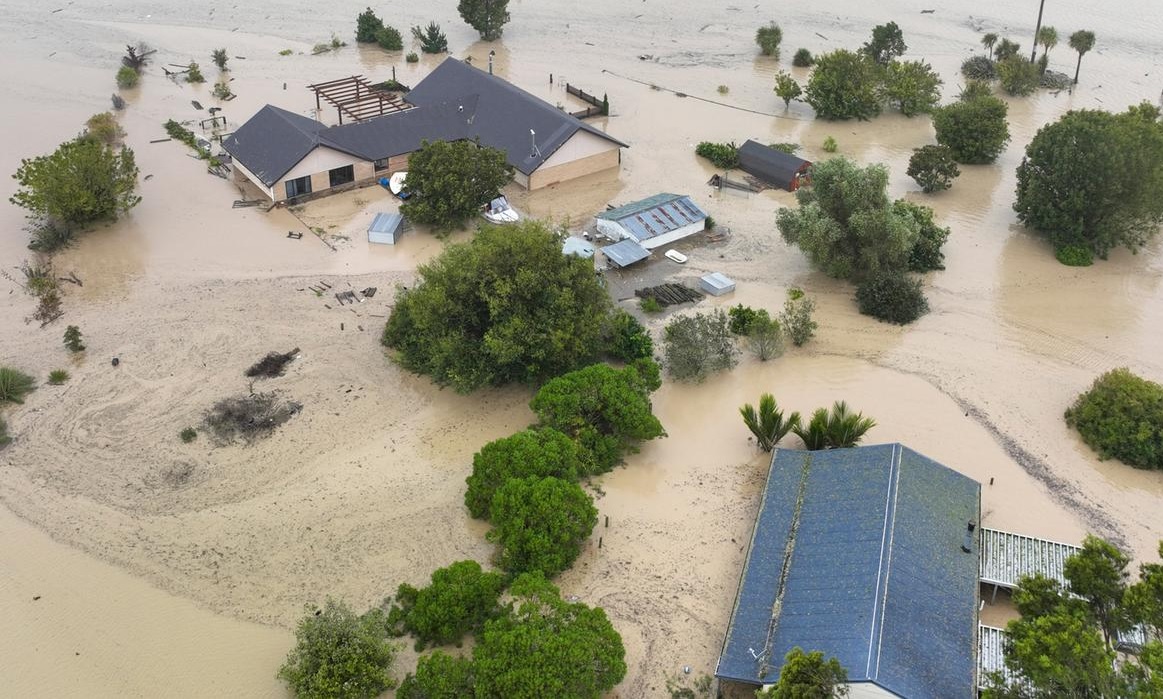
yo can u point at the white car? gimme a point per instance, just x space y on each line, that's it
676 256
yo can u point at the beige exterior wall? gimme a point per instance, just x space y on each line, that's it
868 690
521 179
547 175
397 163
318 164
580 145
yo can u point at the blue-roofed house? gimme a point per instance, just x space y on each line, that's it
654 221
870 556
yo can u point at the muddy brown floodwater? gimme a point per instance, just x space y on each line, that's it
159 564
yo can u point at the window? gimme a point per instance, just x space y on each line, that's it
298 187
342 175
381 164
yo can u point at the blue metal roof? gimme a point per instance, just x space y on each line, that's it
656 215
625 253
857 553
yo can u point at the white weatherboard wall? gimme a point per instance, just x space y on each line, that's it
614 230
238 167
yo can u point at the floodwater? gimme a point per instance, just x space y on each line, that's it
362 490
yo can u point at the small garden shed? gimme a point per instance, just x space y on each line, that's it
775 167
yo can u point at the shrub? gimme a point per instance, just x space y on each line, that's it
4 438
127 77
627 339
974 89
73 340
933 168
219 57
979 68
56 377
926 254
272 365
767 424
912 86
709 223
649 304
723 89
367 26
389 39
47 235
15 385
221 89
534 452
768 38
699 345
339 655
830 145
1006 49
803 58
250 417
188 435
789 148
721 155
974 129
1121 417
460 598
1074 255
743 318
431 38
838 429
787 88
845 85
438 676
1018 76
540 524
892 297
194 73
286 52
765 338
796 318
412 57
104 128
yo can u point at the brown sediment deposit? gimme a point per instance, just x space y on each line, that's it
363 488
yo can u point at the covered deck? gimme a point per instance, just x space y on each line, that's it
1007 557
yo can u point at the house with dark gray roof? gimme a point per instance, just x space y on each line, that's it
868 555
287 155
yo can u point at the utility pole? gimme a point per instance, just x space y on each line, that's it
1037 28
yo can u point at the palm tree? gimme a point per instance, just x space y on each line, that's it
1048 38
815 434
846 429
768 424
1081 41
988 41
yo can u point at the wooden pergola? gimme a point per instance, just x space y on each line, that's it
357 98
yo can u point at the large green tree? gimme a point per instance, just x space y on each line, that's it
486 16
845 224
887 43
83 182
367 24
547 647
699 345
973 128
1095 179
845 85
1098 574
459 599
808 676
339 655
439 676
507 306
541 524
606 410
913 87
451 180
933 167
534 452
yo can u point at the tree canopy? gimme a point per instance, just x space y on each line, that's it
844 223
451 180
1121 416
83 182
845 85
933 167
540 524
459 599
534 452
1081 41
339 655
606 410
887 43
699 345
973 128
912 87
547 647
486 16
808 676
507 306
366 26
1095 179
438 676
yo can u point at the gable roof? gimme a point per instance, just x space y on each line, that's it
769 164
505 113
656 215
857 553
272 141
625 253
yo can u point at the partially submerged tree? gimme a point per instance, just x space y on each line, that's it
912 87
194 73
796 318
892 296
127 77
1018 76
768 424
486 16
933 167
103 128
506 306
1093 178
1121 417
627 339
451 180
1006 49
1081 41
787 88
81 183
887 44
389 38
367 24
803 58
974 128
605 410
458 600
432 40
439 676
699 345
540 524
808 676
1047 38
219 57
845 85
988 40
836 429
339 655
926 254
533 452
769 37
721 155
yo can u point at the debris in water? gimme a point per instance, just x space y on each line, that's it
272 365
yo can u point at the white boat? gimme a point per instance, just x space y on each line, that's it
396 183
499 211
676 256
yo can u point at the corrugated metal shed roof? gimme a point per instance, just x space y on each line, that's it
385 223
656 215
857 553
625 253
1007 557
769 164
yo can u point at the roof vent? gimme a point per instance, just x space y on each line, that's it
967 544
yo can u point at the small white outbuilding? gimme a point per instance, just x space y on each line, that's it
654 221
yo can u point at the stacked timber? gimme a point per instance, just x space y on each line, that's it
670 294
